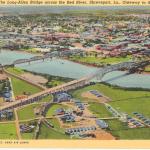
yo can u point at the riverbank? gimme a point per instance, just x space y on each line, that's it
95 65
83 63
68 69
23 52
52 81
45 80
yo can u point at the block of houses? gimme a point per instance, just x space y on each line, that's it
62 97
60 111
102 124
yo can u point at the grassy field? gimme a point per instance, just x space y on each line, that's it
27 136
55 122
19 87
120 130
54 83
53 108
116 125
99 61
32 50
99 110
27 112
147 69
30 135
8 131
139 104
15 70
47 99
124 101
134 134
52 80
50 133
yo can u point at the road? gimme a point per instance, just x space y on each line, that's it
17 124
36 97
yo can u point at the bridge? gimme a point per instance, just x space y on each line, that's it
44 57
48 55
38 96
73 84
132 67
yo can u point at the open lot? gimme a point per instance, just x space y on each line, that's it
8 131
99 110
147 69
27 112
52 133
34 78
53 108
120 131
54 83
27 136
98 61
100 99
139 104
23 87
15 70
49 133
27 75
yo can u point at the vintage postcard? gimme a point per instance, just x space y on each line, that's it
75 73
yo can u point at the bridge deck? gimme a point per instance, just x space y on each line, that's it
67 86
45 92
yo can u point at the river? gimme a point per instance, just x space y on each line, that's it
65 68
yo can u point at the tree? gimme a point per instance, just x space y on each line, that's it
20 31
50 78
96 55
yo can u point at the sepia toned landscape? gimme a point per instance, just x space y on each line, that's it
75 73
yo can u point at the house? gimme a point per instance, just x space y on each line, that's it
26 128
8 114
68 118
60 111
146 52
39 110
7 96
62 97
102 124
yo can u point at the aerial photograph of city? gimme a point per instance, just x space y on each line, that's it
74 73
